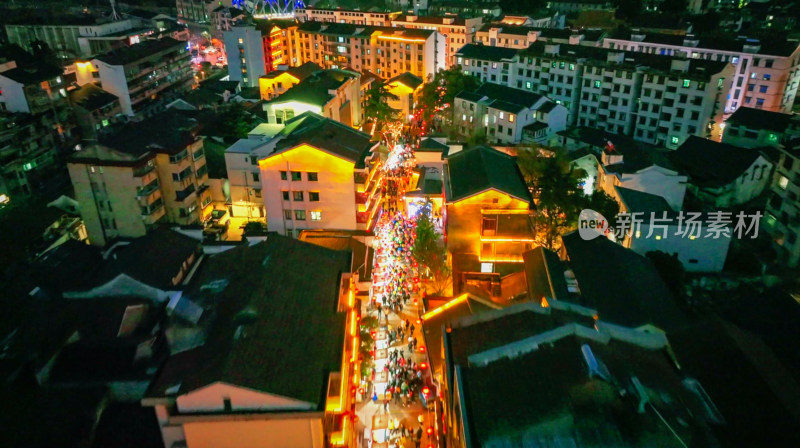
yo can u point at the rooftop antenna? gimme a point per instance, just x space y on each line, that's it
114 15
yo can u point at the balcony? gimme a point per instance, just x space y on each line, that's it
362 217
147 190
182 195
361 198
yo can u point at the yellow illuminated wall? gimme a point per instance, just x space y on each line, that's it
405 99
256 433
464 219
335 185
272 87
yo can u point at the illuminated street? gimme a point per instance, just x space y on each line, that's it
394 413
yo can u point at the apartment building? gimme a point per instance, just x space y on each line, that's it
279 81
145 172
456 30
199 11
500 34
657 99
782 214
757 128
247 381
384 51
311 173
28 156
508 116
368 18
245 52
331 93
468 9
766 76
223 18
70 36
142 76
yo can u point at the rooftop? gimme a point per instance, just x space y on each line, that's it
486 53
482 168
261 338
133 53
433 20
91 97
33 74
407 79
623 286
768 45
640 202
315 89
760 119
325 134
712 164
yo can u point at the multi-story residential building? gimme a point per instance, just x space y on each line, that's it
369 18
722 175
405 88
141 174
488 216
569 6
245 51
69 36
142 76
330 93
199 11
255 50
766 74
313 173
94 109
543 19
384 51
488 9
507 115
782 214
756 128
499 34
657 99
223 18
456 30
249 380
32 89
28 156
277 82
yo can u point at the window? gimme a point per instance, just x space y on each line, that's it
686 83
313 196
256 177
297 195
511 118
253 161
241 41
767 77
296 176
759 102
287 214
285 195
674 140
312 176
502 115
316 215
597 84
257 192
283 175
300 215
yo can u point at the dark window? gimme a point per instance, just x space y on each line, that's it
256 177
297 176
285 195
300 215
312 177
313 196
283 175
287 214
297 195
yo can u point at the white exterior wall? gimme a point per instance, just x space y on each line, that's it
212 399
654 180
249 39
243 188
698 255
336 186
112 80
13 95
749 185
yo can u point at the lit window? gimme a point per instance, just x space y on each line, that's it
674 140
463 117
686 83
597 84
783 182
316 215
241 41
502 115
511 118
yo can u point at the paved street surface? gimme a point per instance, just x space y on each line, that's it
396 419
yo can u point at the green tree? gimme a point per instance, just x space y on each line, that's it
440 91
556 190
430 253
477 138
604 204
376 106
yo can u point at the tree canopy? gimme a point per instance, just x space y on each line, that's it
376 107
430 253
440 92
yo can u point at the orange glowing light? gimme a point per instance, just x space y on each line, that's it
402 39
426 391
423 365
444 307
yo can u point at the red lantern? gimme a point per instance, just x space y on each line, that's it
426 391
429 430
422 348
423 366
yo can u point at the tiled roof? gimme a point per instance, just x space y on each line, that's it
33 74
640 202
91 97
758 119
261 338
485 53
326 134
315 89
500 92
623 286
407 79
127 55
712 164
481 168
